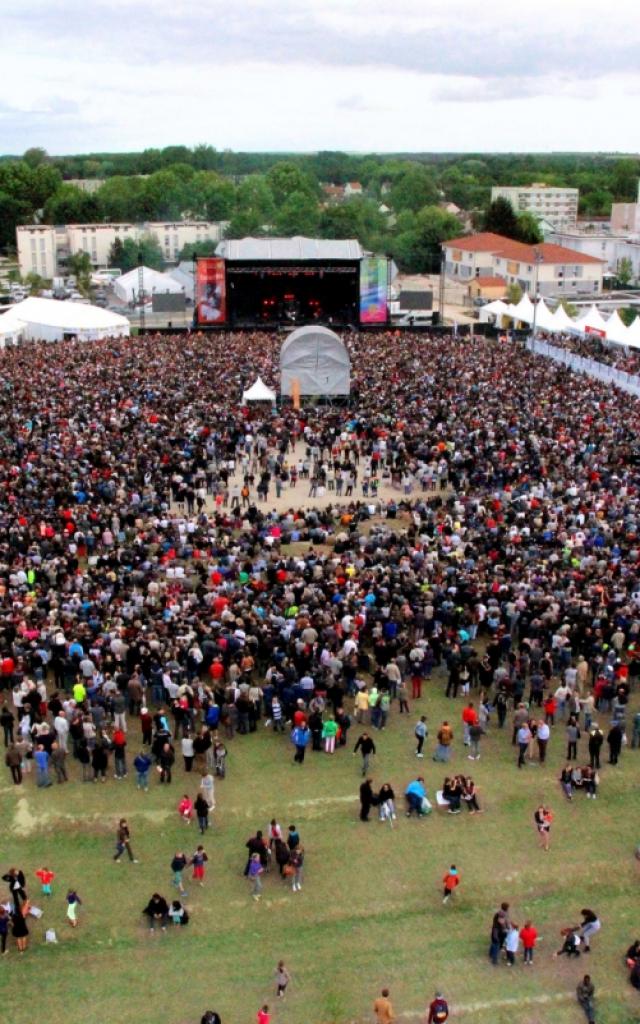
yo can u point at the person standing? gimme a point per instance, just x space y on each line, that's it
614 740
421 732
383 1009
499 927
198 862
450 881
523 739
255 876
19 928
41 758
596 739
263 1016
543 733
366 799
445 739
142 764
585 992
296 860
543 818
300 737
58 758
529 936
573 735
329 732
178 864
438 1010
73 902
13 761
367 747
123 842
282 979
207 789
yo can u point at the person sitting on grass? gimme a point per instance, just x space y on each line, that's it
157 911
178 913
415 793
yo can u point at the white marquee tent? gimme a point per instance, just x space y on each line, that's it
317 360
617 331
50 320
258 392
591 320
11 328
633 334
127 286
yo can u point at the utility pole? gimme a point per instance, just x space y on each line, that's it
141 295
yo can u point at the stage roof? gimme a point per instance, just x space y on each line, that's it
297 248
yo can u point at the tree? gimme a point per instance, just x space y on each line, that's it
624 180
35 156
35 283
80 266
624 271
286 178
627 314
194 249
210 196
501 218
514 293
417 247
414 189
70 205
130 254
529 229
298 215
116 254
569 308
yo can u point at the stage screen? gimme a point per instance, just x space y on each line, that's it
373 290
211 297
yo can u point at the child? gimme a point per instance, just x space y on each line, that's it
263 1016
450 881
185 809
178 913
282 979
511 943
46 877
529 936
73 902
178 865
254 873
198 862
296 860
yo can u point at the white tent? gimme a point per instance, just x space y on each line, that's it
544 317
633 334
617 331
11 328
316 359
258 392
50 320
524 310
127 286
497 308
592 319
185 279
561 319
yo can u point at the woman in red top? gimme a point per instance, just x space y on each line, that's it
529 935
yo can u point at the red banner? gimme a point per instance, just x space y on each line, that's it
595 330
211 295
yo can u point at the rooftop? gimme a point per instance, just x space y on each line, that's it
497 245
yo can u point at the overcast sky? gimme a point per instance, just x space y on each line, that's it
361 75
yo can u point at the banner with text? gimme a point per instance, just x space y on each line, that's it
211 296
373 290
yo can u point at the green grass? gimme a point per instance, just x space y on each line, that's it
369 913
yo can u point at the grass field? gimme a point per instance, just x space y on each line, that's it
370 911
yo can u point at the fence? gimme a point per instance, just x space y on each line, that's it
581 364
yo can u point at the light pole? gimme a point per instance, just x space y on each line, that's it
537 260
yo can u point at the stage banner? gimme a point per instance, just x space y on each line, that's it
373 290
211 296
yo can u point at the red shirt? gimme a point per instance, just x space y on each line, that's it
262 1017
469 716
528 936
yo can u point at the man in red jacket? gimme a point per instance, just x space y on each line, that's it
438 1010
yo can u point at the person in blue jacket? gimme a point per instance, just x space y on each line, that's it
300 737
415 794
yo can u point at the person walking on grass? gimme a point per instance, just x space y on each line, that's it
123 842
421 731
383 1008
585 993
178 864
142 764
73 902
450 881
367 747
282 979
438 1010
201 807
296 860
366 799
198 862
329 733
255 876
543 817
46 877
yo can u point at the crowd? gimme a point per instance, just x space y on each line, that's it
146 575
621 357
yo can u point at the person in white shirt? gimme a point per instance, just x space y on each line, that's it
61 726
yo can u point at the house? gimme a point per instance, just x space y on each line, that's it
546 269
487 287
352 188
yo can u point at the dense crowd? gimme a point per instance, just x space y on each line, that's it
620 357
145 573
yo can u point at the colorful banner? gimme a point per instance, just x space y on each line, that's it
211 295
373 290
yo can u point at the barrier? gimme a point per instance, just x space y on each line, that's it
591 367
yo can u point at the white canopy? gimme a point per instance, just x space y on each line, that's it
127 286
497 308
617 331
633 334
50 320
524 310
544 317
316 359
258 392
561 319
11 327
593 319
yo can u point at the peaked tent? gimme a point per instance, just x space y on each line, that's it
544 317
258 392
617 331
524 310
561 319
315 359
591 320
11 328
633 334
127 285
497 308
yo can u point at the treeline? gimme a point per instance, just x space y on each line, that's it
399 212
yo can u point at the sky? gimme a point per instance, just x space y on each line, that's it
305 75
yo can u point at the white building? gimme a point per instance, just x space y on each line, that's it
603 245
557 205
546 268
44 249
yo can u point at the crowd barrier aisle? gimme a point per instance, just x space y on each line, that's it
580 364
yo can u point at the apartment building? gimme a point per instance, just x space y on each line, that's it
44 249
558 206
546 268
